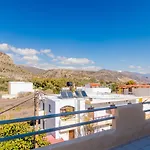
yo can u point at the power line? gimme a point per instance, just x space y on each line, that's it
15 106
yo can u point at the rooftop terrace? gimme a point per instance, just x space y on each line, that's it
128 124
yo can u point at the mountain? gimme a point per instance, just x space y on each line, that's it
10 70
104 75
147 75
137 76
33 70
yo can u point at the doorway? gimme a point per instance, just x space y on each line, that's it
71 134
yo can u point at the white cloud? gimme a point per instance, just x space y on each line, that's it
32 56
135 67
59 58
43 65
139 67
15 57
51 55
10 55
91 68
45 51
48 66
131 66
26 51
31 59
20 51
75 61
48 52
4 47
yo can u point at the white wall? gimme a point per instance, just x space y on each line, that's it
126 91
15 88
87 85
65 135
52 122
7 96
142 92
56 105
138 91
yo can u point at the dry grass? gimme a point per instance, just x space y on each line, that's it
24 110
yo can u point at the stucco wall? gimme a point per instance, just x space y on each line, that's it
130 124
142 92
138 91
18 87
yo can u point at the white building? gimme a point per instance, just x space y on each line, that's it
137 90
15 88
94 89
55 104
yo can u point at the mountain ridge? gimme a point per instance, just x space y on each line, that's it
103 74
9 70
23 72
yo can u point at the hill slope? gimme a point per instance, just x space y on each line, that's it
105 75
10 70
33 70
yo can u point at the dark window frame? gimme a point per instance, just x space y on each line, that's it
50 108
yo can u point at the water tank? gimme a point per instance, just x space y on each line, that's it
69 84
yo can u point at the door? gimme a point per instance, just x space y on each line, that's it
71 134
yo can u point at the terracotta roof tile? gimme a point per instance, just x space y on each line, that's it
52 140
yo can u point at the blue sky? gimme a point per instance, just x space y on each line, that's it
110 34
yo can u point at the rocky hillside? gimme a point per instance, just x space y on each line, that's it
10 70
104 75
33 70
137 76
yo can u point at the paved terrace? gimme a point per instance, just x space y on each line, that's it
130 131
141 144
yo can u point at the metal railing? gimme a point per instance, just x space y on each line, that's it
7 138
2 122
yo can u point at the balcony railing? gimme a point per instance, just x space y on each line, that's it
2 122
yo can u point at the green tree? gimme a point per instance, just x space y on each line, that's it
130 82
114 87
26 143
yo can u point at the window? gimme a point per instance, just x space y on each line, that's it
130 89
50 109
91 114
66 109
43 124
43 106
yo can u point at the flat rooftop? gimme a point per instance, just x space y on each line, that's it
100 98
112 97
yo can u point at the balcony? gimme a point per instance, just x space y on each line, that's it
129 125
130 130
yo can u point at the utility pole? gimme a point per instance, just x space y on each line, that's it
36 113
